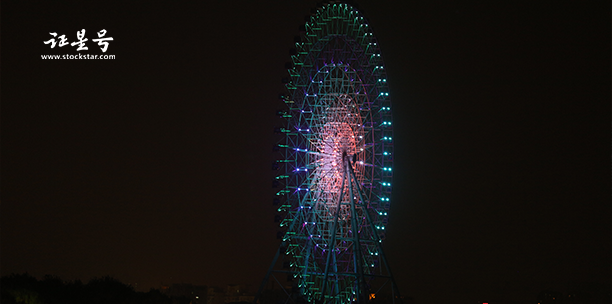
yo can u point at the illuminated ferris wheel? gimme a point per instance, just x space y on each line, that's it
335 175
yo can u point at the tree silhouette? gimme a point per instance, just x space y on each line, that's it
26 289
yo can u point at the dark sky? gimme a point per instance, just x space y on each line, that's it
155 167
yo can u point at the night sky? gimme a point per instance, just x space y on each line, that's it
155 167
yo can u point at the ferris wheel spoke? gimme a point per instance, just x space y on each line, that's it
319 153
322 177
316 144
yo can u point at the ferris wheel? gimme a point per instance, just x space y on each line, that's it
335 174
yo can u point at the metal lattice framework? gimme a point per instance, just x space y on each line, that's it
335 181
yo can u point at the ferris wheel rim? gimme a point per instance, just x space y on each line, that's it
338 155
